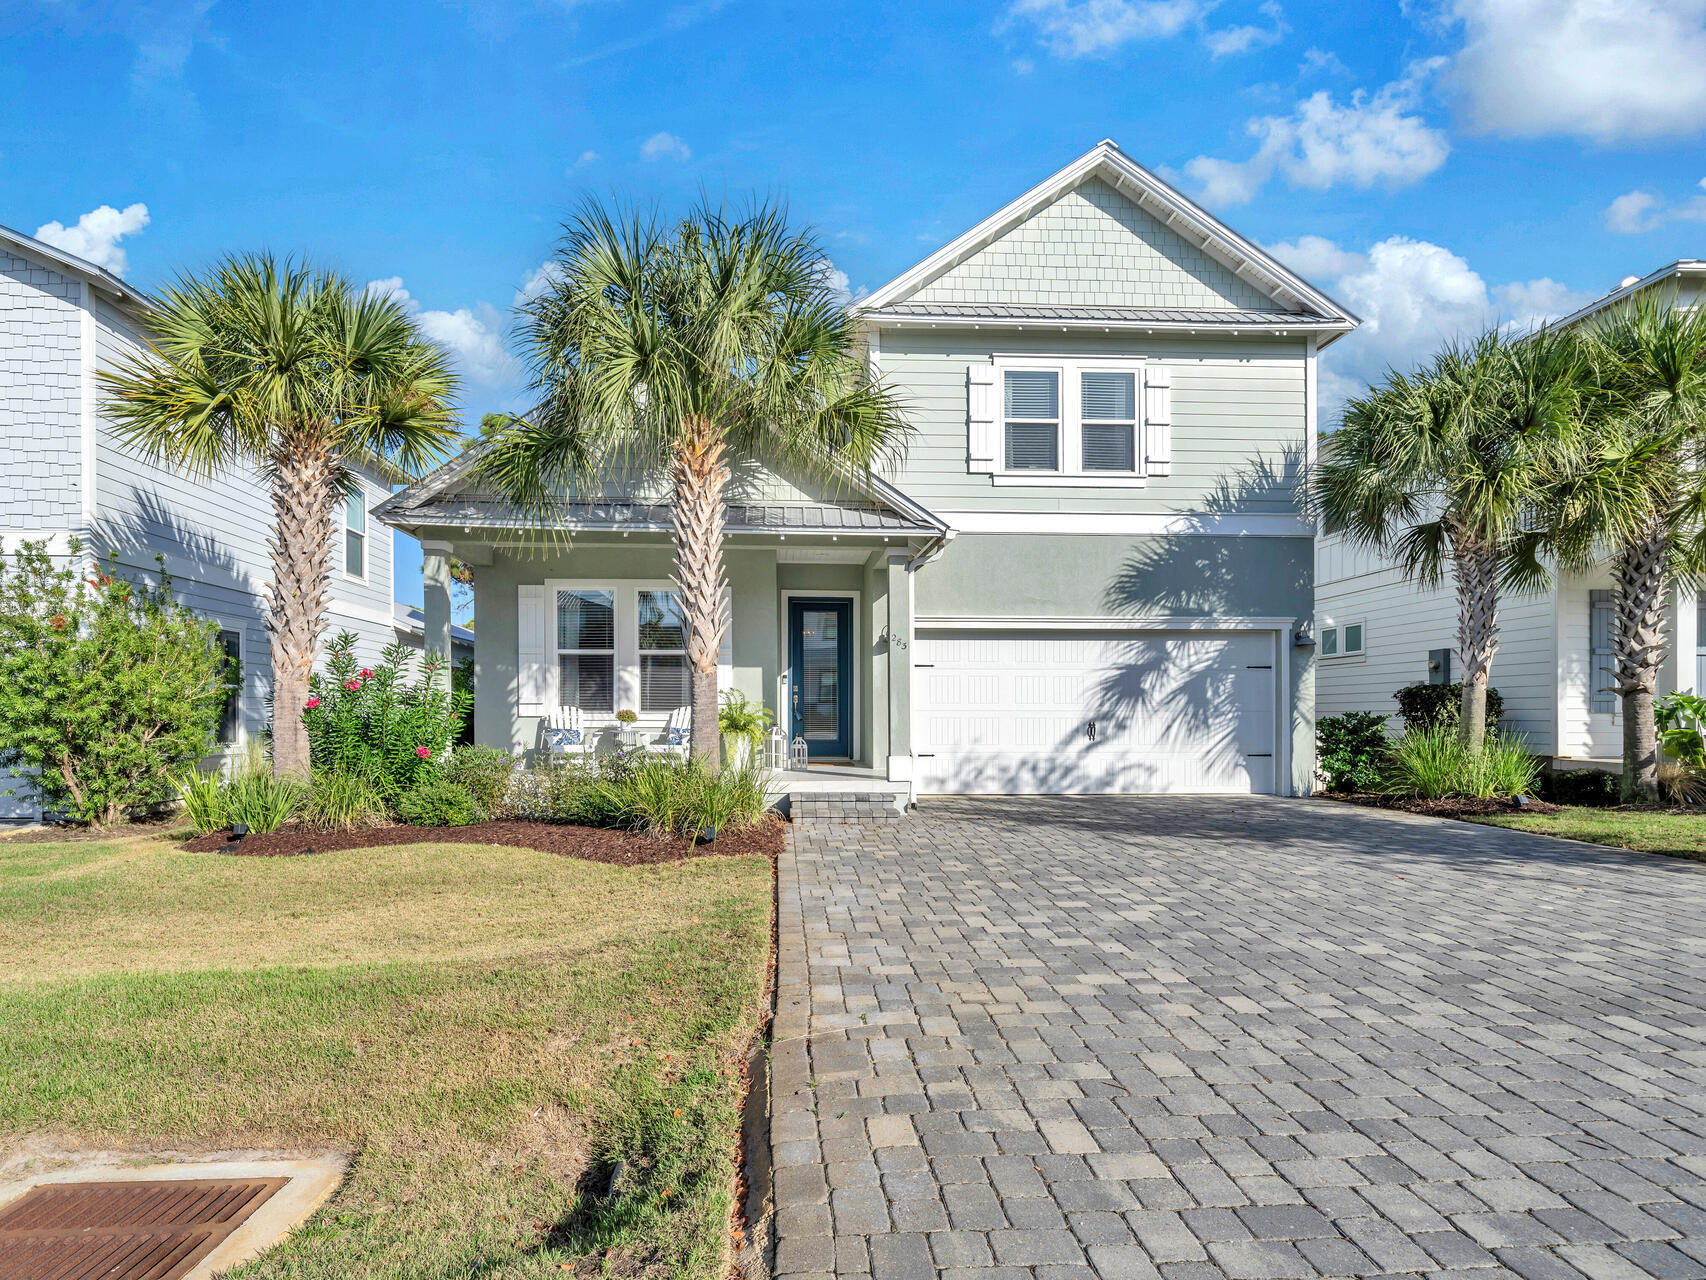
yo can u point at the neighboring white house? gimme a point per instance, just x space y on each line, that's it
64 476
1377 632
1087 573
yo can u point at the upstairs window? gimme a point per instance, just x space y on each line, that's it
1108 412
355 533
1032 399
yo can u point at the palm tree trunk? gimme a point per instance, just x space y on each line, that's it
1639 638
700 474
1477 638
304 498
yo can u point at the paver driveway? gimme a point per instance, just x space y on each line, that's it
1252 1038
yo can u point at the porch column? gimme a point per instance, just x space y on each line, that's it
435 604
1678 671
900 667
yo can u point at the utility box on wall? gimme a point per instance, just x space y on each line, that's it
1439 666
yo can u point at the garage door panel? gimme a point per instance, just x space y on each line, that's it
1010 713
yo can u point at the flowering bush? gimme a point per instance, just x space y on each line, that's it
379 724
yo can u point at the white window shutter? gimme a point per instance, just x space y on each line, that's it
532 676
1158 419
726 649
982 437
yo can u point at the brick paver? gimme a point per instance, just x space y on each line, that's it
1259 1039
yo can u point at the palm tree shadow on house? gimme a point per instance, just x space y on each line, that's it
1186 692
151 527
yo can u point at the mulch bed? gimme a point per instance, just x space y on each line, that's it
590 844
1453 808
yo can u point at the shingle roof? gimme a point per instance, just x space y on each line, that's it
781 517
1092 315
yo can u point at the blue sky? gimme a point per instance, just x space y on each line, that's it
1437 166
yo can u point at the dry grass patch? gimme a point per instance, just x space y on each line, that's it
480 1025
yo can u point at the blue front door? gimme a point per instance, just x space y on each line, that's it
820 676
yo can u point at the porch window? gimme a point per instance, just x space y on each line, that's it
586 649
663 652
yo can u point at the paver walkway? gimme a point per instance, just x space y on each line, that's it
1246 1038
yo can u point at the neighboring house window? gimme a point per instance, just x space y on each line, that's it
663 652
1108 409
586 649
232 645
1602 669
355 533
1341 641
1032 399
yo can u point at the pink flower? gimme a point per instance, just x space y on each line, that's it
352 685
366 673
311 703
425 753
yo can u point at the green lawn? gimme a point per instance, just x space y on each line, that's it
480 1026
1681 835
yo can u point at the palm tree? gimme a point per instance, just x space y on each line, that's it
1637 492
306 378
679 347
1445 468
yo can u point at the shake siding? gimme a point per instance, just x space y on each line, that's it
41 376
1093 247
1403 621
1238 421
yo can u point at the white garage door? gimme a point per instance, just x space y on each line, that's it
1047 712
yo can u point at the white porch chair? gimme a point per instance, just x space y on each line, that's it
566 734
673 740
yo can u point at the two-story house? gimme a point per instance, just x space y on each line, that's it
63 476
1089 572
1554 668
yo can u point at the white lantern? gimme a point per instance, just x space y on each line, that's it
797 755
778 749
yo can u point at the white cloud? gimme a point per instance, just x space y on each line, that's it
472 335
1365 142
1606 70
585 158
1638 211
539 279
664 146
1093 28
839 285
1229 41
1321 62
1412 297
97 233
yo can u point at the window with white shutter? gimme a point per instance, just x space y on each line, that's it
1068 421
532 677
1603 668
980 418
1031 414
1158 420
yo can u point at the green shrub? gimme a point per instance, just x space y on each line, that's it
1681 719
1424 705
571 791
342 802
1432 763
1350 749
203 794
483 772
106 686
437 804
255 797
1592 788
377 723
662 795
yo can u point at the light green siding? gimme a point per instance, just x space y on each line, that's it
1093 247
1239 420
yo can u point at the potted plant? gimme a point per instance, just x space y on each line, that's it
627 716
742 723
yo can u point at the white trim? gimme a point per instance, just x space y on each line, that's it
1185 218
89 355
1131 523
1191 328
857 650
1338 629
1678 269
336 606
1310 380
58 540
625 657
1069 471
1090 622
821 555
1055 480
